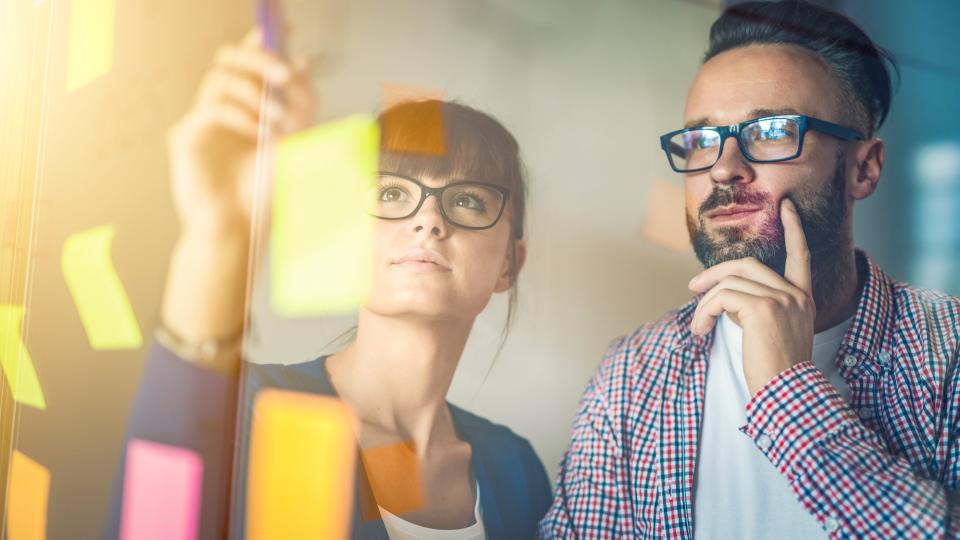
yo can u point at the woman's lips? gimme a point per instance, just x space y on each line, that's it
421 266
423 260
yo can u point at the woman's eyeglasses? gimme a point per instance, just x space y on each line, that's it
467 204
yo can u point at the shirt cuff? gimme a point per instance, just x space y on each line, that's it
796 409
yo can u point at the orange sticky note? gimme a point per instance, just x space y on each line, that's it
17 366
664 224
415 129
395 482
27 494
394 93
302 460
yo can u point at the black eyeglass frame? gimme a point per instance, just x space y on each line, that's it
427 191
803 123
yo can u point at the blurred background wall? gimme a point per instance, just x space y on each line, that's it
586 87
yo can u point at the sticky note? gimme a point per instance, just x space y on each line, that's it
28 491
394 480
302 459
664 223
395 93
91 37
162 490
97 292
321 243
17 366
412 120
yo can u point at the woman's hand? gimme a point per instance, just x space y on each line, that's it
248 100
248 95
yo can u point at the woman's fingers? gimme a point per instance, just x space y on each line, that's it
254 62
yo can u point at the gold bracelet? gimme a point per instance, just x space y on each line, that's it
218 354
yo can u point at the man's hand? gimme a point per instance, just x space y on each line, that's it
776 313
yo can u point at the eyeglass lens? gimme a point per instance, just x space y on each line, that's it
766 139
467 204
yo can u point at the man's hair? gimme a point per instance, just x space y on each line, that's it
858 63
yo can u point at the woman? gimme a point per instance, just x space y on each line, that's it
450 235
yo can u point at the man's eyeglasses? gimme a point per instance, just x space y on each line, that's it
467 204
761 140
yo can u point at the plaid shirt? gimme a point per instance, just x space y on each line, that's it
886 464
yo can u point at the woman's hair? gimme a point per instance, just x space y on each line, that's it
444 139
858 63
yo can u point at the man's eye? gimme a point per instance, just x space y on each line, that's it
773 134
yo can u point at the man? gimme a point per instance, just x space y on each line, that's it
803 393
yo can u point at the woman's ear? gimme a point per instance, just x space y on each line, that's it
868 163
512 265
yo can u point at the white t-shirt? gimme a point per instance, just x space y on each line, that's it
401 529
739 493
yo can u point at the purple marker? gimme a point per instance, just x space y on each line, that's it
271 21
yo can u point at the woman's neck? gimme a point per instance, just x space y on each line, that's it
396 375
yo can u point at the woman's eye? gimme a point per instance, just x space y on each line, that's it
391 195
467 201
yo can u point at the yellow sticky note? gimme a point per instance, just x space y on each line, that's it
90 53
321 245
27 494
17 366
99 295
302 459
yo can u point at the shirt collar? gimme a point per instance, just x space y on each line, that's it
874 309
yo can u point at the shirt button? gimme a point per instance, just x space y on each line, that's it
764 442
865 413
850 361
831 525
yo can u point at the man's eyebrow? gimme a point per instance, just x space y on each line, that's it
697 122
760 113
755 113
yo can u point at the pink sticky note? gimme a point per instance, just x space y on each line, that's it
161 492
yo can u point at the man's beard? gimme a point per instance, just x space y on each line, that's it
822 215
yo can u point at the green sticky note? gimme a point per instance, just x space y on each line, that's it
17 366
90 49
101 300
321 235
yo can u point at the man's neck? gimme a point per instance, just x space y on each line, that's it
836 288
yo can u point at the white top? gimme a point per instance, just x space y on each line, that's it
400 529
739 493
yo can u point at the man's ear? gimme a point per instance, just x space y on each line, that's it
509 273
867 163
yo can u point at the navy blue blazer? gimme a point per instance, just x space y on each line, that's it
182 404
